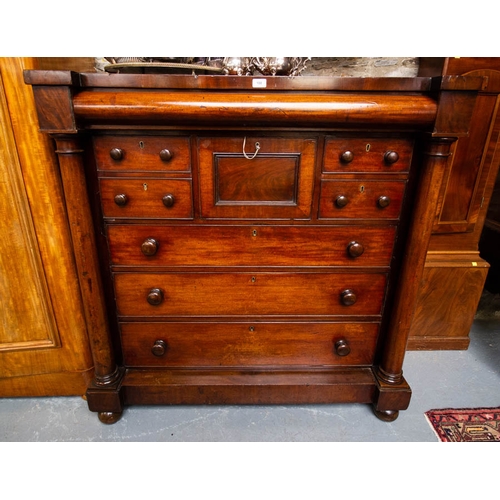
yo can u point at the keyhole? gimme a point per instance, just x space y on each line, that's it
368 148
145 186
254 232
141 144
253 279
361 189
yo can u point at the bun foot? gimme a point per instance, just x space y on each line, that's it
387 415
108 417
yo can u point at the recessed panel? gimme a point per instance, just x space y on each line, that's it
264 180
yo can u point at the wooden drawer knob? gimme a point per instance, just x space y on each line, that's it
341 201
168 200
155 296
342 347
347 157
355 249
117 154
383 201
149 246
391 157
165 155
121 200
159 348
348 297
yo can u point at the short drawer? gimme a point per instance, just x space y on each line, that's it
256 177
142 153
294 246
247 344
243 294
146 198
366 199
351 155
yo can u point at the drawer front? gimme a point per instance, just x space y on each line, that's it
247 344
206 245
364 199
382 155
239 180
142 153
146 198
242 294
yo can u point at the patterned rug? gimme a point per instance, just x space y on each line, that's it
465 425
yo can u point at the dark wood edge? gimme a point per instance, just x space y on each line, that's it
51 77
218 82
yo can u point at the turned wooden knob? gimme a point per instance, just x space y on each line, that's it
159 348
121 200
341 201
355 249
391 157
165 155
168 200
155 296
342 347
116 154
149 247
347 157
348 297
383 201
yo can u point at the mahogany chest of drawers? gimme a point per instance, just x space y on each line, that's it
250 246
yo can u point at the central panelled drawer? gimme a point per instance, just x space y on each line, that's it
256 177
256 344
249 294
208 245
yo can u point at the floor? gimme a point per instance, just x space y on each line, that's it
439 379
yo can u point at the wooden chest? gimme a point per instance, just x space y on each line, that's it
247 246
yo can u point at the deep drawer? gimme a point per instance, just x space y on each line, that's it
382 155
142 153
247 344
146 198
363 199
243 294
207 245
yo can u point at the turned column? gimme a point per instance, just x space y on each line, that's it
72 171
436 154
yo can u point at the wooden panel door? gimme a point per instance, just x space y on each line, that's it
43 338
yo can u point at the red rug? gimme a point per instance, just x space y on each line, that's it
465 425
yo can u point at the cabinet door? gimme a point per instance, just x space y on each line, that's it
43 343
463 192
